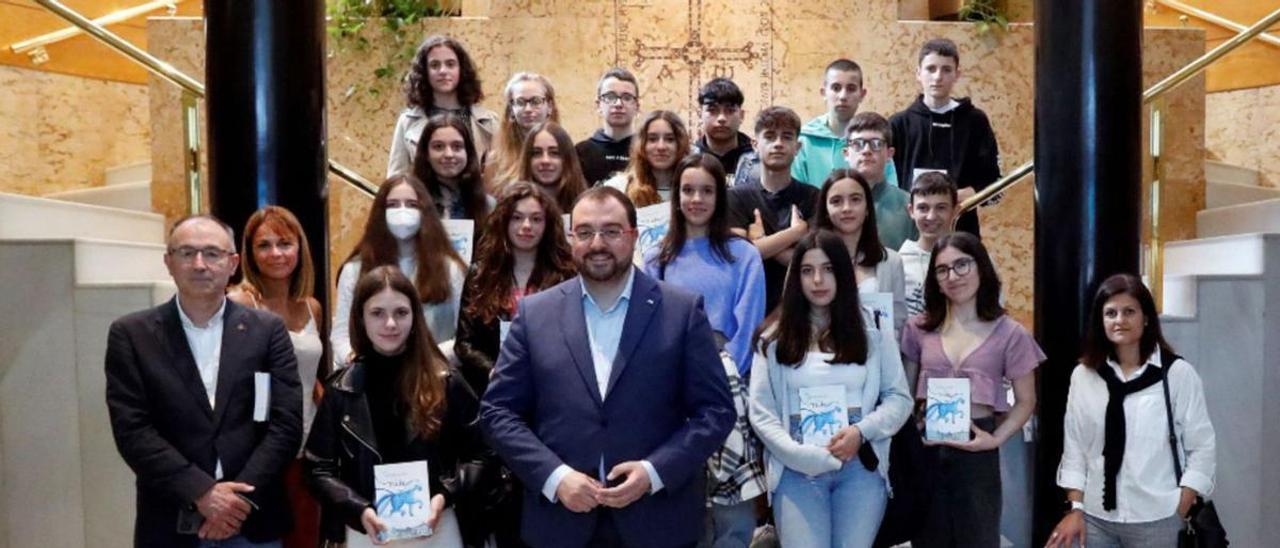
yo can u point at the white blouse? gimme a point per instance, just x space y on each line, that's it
1147 489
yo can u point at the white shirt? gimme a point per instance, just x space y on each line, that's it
915 264
1146 486
206 347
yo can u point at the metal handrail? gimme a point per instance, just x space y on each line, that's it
1215 19
1159 89
191 87
109 19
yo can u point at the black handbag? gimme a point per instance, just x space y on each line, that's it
1201 528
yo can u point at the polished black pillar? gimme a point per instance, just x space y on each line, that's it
264 76
1088 153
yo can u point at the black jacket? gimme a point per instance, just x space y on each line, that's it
601 157
342 451
959 141
173 439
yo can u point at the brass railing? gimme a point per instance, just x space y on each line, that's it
1152 96
192 91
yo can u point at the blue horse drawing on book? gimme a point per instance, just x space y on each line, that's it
821 422
398 502
946 411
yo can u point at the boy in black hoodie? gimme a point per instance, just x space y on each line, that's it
609 150
941 133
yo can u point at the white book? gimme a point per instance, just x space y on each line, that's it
946 415
402 498
461 236
823 412
877 309
651 226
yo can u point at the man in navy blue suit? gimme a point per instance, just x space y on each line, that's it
609 396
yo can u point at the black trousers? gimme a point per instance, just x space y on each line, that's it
964 509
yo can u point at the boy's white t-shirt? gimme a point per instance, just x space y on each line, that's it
915 263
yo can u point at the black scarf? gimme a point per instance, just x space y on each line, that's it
1113 449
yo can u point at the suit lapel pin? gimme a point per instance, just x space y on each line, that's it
240 327
650 301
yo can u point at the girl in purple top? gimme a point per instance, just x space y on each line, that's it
965 333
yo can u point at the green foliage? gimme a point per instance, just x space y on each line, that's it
988 15
350 21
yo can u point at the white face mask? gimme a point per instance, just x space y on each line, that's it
403 222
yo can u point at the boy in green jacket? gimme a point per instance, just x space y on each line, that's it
822 139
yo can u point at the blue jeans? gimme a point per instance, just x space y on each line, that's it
840 509
238 541
729 526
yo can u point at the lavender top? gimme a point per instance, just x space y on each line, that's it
1009 352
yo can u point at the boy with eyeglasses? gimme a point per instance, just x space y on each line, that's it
941 133
867 150
609 150
822 138
721 115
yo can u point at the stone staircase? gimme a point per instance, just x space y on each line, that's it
72 266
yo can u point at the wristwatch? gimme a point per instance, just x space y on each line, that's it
1073 505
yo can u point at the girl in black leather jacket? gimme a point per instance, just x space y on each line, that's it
399 401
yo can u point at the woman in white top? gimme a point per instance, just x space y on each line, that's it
844 207
442 80
403 230
827 394
662 141
1117 462
279 277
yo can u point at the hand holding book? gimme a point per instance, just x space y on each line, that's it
844 445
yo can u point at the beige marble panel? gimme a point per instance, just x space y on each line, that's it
1243 127
62 132
1182 160
774 49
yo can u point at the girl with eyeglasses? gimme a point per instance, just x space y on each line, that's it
278 277
661 142
965 333
531 100
816 361
400 401
448 166
403 230
845 207
1123 486
442 80
549 160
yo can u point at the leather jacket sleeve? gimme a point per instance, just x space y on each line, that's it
322 467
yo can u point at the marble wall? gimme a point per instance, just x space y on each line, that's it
775 50
1243 128
62 132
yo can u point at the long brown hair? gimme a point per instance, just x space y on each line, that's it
417 84
510 136
432 247
283 221
869 239
470 184
1097 347
642 185
790 325
490 280
718 233
422 367
988 298
572 182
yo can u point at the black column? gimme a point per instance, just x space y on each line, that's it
264 77
1088 153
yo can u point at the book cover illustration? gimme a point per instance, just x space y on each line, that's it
651 225
822 413
461 236
946 416
402 498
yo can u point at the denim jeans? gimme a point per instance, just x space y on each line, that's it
839 509
238 541
1100 533
729 526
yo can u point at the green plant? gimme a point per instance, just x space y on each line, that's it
349 20
988 15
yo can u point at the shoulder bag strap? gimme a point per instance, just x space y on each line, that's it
1168 360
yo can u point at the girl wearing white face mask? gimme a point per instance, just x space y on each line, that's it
403 230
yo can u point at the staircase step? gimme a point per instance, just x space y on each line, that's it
1218 172
135 196
132 173
114 261
1188 260
34 217
1261 216
1218 194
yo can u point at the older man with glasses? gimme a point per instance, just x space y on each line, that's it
609 150
205 403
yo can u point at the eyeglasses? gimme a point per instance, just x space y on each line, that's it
612 98
960 267
611 234
861 144
188 254
530 102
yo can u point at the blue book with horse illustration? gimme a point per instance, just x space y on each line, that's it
946 413
823 412
402 498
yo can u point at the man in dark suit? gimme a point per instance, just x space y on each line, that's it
205 403
609 396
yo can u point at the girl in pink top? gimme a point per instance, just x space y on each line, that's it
965 333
